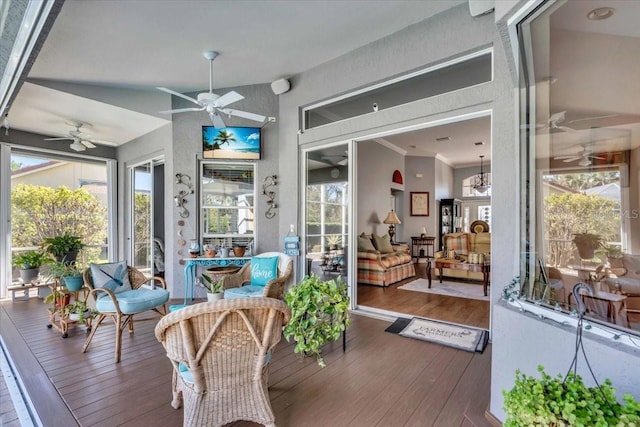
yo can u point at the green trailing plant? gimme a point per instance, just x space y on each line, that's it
31 259
60 269
59 246
319 314
554 401
212 286
610 251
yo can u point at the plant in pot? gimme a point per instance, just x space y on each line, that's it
612 252
78 310
319 314
587 243
69 274
215 288
29 263
558 401
64 247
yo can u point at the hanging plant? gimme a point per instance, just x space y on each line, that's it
319 314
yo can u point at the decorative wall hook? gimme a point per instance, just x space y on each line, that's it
180 199
269 181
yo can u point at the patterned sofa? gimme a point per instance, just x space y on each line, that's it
463 244
623 277
382 268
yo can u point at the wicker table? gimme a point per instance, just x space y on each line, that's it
455 264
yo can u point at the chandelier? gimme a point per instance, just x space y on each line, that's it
481 181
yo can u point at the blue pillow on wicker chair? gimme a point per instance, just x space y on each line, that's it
112 276
263 269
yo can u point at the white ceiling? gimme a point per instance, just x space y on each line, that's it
141 44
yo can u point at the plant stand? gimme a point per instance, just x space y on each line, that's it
58 319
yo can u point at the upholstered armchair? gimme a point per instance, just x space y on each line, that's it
269 274
623 278
220 352
116 291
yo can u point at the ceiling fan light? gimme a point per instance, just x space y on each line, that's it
76 146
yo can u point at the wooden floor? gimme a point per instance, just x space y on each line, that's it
463 311
381 380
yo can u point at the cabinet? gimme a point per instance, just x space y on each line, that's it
450 219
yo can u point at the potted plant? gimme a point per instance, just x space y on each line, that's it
215 288
60 298
29 263
69 273
78 310
587 243
554 401
319 314
612 252
64 247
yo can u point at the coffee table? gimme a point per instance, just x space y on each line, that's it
456 264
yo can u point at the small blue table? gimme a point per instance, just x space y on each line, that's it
190 265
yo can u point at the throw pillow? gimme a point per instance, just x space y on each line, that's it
382 243
459 243
263 269
365 244
112 276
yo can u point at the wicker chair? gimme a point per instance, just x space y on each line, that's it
122 306
219 351
273 289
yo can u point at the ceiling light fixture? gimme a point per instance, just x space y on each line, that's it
600 14
481 181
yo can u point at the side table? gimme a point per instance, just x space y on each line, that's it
418 244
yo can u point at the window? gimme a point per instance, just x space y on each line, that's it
326 217
579 165
227 204
455 74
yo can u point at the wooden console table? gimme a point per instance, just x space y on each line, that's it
455 264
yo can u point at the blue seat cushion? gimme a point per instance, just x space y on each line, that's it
134 301
244 292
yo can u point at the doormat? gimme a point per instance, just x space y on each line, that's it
452 289
457 336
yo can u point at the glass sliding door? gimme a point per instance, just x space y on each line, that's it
146 227
327 212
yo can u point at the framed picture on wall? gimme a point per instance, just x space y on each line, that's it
419 203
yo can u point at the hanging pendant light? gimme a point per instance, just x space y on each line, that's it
481 181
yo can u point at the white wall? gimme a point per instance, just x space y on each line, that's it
424 166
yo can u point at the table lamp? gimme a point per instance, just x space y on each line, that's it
392 219
423 232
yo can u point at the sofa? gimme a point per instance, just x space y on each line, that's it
623 277
381 263
464 244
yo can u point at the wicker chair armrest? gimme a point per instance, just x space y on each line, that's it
275 287
162 283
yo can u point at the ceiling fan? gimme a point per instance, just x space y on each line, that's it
81 141
554 122
214 105
336 159
585 156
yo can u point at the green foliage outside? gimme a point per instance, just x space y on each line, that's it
142 228
570 213
319 314
39 212
551 401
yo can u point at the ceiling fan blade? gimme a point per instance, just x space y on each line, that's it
596 157
244 114
217 120
571 159
58 139
182 110
173 92
593 118
87 143
228 98
557 117
566 129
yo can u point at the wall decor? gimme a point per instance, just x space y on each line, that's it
270 181
419 203
180 198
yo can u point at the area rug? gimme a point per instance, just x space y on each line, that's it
452 289
457 336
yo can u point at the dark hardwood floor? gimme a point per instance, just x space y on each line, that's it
464 311
382 379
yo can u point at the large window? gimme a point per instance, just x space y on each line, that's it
54 195
580 147
227 204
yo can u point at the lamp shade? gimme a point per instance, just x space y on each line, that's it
424 231
392 218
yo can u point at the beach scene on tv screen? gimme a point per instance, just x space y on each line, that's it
230 143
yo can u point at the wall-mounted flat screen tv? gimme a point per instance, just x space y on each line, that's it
232 143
